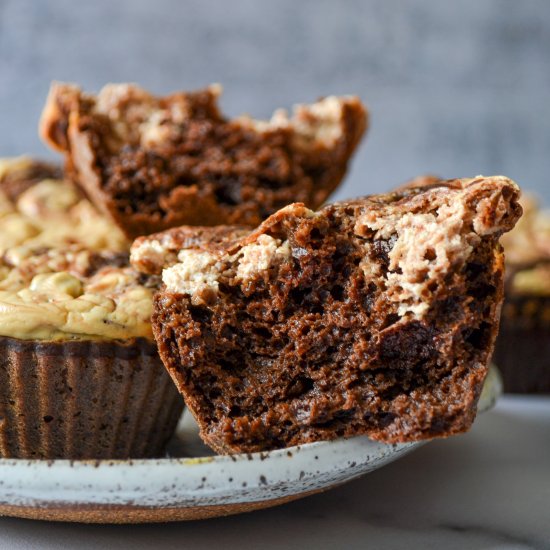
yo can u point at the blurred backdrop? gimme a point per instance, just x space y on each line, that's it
454 88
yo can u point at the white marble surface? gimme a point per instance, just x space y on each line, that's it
487 489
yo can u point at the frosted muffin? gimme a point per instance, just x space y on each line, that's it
522 349
80 375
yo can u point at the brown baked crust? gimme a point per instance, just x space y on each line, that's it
197 167
328 340
85 400
15 182
425 181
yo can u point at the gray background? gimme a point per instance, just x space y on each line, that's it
455 88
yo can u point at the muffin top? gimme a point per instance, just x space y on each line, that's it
64 271
527 250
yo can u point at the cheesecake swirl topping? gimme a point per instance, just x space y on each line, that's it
64 271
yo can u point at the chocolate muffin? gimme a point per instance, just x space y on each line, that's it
152 163
80 375
373 316
522 350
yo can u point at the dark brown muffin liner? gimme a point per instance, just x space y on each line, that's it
85 400
522 350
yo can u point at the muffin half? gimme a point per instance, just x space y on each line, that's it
375 316
151 163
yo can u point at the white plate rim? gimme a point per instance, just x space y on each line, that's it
203 481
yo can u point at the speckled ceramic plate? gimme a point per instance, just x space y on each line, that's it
198 485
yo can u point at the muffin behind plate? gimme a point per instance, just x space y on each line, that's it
80 375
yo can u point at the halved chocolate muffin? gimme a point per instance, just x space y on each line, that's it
80 375
152 163
522 350
373 316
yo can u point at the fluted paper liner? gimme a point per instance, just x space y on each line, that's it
85 400
522 350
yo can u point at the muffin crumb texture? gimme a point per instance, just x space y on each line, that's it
374 316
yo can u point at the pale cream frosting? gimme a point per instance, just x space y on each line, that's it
51 240
197 272
427 245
